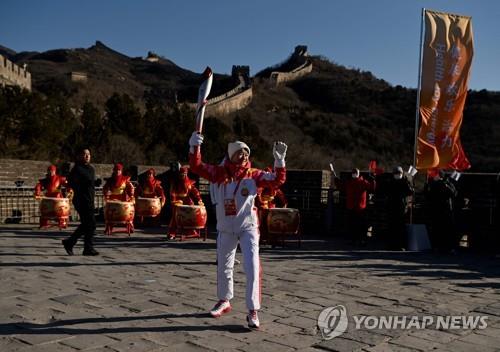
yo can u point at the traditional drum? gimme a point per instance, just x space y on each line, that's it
147 207
283 221
116 212
190 216
54 208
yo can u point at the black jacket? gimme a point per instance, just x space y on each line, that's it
440 196
397 193
82 181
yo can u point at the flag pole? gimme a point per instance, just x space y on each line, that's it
419 88
417 109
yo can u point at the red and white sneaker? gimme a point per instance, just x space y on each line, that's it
221 307
253 319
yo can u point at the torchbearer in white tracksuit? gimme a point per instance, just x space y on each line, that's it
235 188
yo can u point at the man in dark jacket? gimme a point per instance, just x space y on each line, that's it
441 193
82 181
398 191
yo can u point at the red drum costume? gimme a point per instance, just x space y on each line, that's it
119 188
182 192
151 187
50 186
150 198
268 198
235 188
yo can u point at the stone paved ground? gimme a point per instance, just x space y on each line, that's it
146 294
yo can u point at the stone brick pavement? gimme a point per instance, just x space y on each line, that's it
146 294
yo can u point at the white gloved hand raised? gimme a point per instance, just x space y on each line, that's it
195 140
279 152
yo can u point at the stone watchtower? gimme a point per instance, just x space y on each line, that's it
301 50
241 71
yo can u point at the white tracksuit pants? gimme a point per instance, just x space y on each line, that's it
226 251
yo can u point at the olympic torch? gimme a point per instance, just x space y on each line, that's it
203 93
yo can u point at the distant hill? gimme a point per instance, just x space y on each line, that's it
337 114
9 53
109 71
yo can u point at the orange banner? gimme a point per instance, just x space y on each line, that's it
447 58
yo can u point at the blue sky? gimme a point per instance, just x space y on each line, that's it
381 36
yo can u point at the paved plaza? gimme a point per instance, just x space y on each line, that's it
147 294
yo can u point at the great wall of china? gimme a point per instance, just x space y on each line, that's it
279 78
14 75
240 96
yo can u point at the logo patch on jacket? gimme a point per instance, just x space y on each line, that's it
244 192
230 207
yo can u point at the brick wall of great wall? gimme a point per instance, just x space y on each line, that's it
12 74
240 96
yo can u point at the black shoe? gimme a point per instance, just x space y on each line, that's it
90 251
68 246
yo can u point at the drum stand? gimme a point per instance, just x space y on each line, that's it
129 228
190 232
61 223
274 238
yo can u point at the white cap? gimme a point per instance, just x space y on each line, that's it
235 146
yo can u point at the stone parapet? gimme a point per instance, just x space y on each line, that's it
14 75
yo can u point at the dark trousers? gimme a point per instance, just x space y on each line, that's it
443 232
357 224
396 232
86 228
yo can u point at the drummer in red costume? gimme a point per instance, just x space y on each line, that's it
151 187
182 192
118 186
235 188
50 186
268 198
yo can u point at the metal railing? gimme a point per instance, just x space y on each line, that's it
18 205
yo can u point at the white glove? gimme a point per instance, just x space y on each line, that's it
279 152
195 140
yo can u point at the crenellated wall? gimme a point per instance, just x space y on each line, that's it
234 99
231 103
14 75
278 78
240 96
